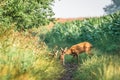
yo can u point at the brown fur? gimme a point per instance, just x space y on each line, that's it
76 49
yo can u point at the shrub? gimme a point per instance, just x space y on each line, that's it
26 13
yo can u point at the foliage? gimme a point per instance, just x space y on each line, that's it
115 6
26 13
102 30
22 57
104 67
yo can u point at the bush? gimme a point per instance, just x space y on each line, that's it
26 13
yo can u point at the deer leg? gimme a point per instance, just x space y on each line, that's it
62 57
77 58
63 61
76 55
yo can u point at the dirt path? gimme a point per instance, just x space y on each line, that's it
70 69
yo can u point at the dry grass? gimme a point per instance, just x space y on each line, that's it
25 57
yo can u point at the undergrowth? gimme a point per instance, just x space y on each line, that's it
99 67
25 57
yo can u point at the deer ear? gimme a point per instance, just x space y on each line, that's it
61 49
65 48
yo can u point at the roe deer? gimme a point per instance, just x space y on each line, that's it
75 50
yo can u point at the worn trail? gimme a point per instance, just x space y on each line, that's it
70 69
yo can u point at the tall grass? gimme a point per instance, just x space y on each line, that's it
102 67
25 57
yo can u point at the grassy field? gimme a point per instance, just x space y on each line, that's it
29 55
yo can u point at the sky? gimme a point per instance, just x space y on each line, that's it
79 8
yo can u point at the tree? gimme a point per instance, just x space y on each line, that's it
26 13
115 6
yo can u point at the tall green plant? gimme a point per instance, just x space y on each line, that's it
102 30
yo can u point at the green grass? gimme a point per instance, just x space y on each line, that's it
99 67
25 57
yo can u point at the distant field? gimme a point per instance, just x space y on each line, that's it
63 20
